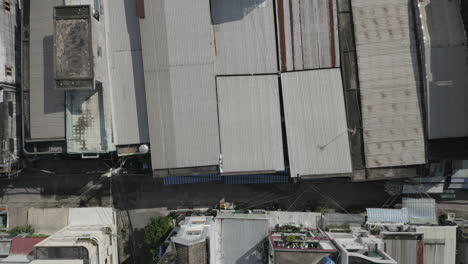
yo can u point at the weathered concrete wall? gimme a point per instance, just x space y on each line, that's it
48 220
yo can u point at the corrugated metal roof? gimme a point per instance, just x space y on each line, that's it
8 43
380 215
47 106
445 53
444 248
250 123
24 246
316 125
178 60
244 36
5 245
389 83
308 34
239 240
127 84
405 251
421 211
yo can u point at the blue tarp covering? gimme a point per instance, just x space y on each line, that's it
327 260
175 180
255 179
228 179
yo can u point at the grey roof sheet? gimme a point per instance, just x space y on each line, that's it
47 106
127 84
244 36
316 125
389 83
237 240
250 123
444 55
178 61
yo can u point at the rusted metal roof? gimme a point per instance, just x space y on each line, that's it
308 34
24 246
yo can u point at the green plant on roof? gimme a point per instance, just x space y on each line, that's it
291 238
108 230
322 209
29 230
289 228
156 231
38 235
344 228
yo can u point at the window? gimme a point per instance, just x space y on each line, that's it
8 70
7 5
3 218
63 253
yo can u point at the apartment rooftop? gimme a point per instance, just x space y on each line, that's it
361 245
292 238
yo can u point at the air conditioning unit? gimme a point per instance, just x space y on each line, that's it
79 62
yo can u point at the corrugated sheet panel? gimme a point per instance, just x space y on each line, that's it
316 123
436 236
389 83
421 211
445 53
178 58
8 43
354 220
239 240
380 215
130 124
5 245
85 122
405 251
47 106
250 123
308 34
244 36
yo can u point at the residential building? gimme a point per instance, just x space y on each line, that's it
291 244
360 247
